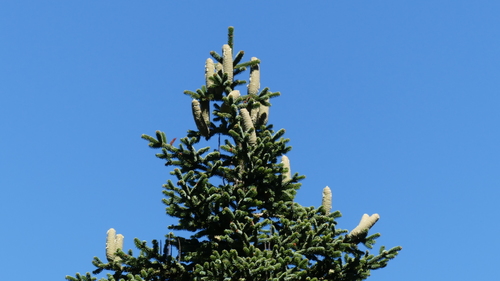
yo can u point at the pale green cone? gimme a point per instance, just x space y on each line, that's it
219 67
198 118
113 243
110 244
263 116
119 244
254 84
247 125
209 72
286 164
253 89
366 223
227 108
327 199
227 61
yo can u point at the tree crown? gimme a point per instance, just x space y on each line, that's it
237 199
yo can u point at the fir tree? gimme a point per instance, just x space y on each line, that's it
237 199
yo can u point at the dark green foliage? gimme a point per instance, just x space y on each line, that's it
238 203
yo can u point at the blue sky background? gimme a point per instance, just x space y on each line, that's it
394 105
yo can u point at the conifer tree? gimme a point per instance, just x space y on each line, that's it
237 199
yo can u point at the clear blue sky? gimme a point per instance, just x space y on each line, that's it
394 105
